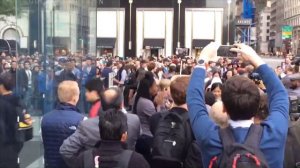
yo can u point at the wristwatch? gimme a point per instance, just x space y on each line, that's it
201 62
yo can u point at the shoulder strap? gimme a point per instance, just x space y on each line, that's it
88 158
125 158
227 138
254 136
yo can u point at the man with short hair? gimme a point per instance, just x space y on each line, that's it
60 123
294 88
188 159
26 84
87 135
106 71
241 102
111 153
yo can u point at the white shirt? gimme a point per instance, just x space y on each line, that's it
29 75
241 123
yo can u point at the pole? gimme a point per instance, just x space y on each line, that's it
179 15
249 39
228 20
130 16
181 67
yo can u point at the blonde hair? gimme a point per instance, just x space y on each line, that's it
164 83
67 90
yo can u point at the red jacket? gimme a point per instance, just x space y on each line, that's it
95 109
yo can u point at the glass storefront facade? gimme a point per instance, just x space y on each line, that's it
57 35
61 34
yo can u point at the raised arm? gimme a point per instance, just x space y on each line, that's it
200 121
277 95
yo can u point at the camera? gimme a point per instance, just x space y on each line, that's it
255 77
224 51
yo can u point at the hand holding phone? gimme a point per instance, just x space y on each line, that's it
224 51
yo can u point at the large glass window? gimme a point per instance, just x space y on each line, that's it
54 37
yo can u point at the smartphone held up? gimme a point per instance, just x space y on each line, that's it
224 51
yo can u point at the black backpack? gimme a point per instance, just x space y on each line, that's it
119 161
247 155
173 141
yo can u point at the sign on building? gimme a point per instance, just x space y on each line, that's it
243 22
287 32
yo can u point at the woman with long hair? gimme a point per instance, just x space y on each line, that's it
216 90
144 108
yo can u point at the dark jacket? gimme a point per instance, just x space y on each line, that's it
15 103
87 76
87 136
192 159
109 149
9 147
22 79
66 75
56 127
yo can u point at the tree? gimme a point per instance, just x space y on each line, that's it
7 7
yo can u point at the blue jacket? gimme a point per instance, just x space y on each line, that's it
57 126
275 127
87 76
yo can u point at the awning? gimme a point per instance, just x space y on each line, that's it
106 42
4 46
154 43
59 42
200 43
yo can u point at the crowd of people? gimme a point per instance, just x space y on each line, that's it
154 112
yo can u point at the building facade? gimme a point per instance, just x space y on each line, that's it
277 21
263 30
292 18
169 25
121 27
11 32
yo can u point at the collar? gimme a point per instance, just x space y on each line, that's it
109 145
96 101
241 123
124 110
178 109
67 106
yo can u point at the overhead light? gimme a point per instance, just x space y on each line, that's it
130 1
229 1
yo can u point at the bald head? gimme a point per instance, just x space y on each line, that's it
112 98
218 115
109 95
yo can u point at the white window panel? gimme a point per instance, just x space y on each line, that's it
107 24
203 25
62 24
154 24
